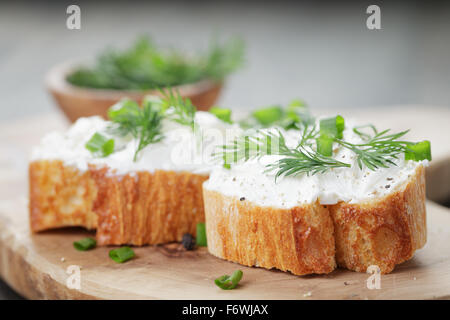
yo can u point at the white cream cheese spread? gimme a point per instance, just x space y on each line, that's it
250 179
181 149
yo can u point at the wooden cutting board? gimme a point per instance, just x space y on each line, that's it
39 266
36 266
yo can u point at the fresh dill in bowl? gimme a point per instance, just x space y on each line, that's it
146 66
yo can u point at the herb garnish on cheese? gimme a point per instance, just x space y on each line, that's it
313 153
144 123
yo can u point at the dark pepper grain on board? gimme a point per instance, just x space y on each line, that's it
188 241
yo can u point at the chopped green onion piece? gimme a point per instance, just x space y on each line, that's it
325 145
201 235
296 103
223 114
269 115
297 113
227 166
227 282
293 115
419 151
122 109
100 145
332 127
85 244
122 254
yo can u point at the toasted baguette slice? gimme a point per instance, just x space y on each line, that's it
146 208
383 232
299 240
302 240
149 208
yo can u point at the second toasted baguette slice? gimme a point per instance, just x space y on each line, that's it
299 240
383 232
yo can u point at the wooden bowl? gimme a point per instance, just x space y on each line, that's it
78 102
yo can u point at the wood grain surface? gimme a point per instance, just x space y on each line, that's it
36 265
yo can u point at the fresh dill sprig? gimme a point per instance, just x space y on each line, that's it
304 160
379 150
301 159
313 153
363 135
309 133
258 144
150 129
143 123
178 109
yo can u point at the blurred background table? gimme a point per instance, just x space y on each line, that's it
320 52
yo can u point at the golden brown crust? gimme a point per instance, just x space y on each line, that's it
302 240
140 210
149 208
146 208
299 240
384 232
60 196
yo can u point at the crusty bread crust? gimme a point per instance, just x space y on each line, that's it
145 208
299 240
153 208
384 232
60 196
149 208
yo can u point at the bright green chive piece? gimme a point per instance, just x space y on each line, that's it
227 166
227 282
201 235
229 157
85 244
419 151
108 147
269 115
296 103
99 144
223 114
123 108
293 115
122 254
296 112
325 145
332 127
